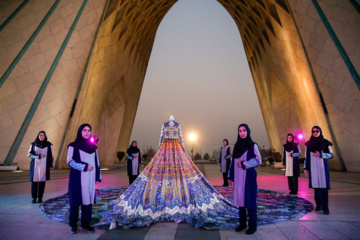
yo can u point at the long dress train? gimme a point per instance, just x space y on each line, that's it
171 188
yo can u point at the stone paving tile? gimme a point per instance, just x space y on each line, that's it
348 229
232 235
323 231
133 234
185 231
294 230
270 231
162 231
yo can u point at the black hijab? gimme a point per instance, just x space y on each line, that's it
290 146
317 143
83 144
41 144
132 150
242 144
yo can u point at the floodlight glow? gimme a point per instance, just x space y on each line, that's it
192 137
299 136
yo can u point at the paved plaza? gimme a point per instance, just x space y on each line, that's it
20 219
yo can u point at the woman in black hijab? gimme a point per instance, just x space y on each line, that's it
133 156
291 153
246 157
84 165
224 161
41 163
317 152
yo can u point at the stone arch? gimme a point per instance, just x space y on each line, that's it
126 37
283 48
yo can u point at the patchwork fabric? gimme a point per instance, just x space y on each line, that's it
273 207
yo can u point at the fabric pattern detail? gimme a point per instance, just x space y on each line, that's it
77 166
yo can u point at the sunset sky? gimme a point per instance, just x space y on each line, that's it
199 73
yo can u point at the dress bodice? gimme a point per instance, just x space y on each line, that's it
171 130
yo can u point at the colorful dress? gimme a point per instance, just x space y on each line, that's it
170 189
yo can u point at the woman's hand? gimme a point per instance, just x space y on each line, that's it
306 173
238 164
316 154
90 168
230 183
42 155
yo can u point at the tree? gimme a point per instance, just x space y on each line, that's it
216 154
197 156
206 156
150 152
120 155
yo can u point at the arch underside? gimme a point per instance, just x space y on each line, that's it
274 52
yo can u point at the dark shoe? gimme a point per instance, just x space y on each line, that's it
40 200
251 231
34 200
74 230
326 212
240 228
318 208
294 193
291 192
89 229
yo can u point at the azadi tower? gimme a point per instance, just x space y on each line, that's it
66 62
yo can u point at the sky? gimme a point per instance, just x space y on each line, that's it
198 72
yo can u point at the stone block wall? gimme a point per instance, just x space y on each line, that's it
39 88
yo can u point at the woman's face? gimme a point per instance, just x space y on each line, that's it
42 136
224 143
134 144
316 132
242 132
289 138
86 132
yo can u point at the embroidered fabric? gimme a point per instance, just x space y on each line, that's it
171 188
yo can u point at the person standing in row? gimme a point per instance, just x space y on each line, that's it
133 156
242 174
317 152
84 165
41 163
224 161
290 161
